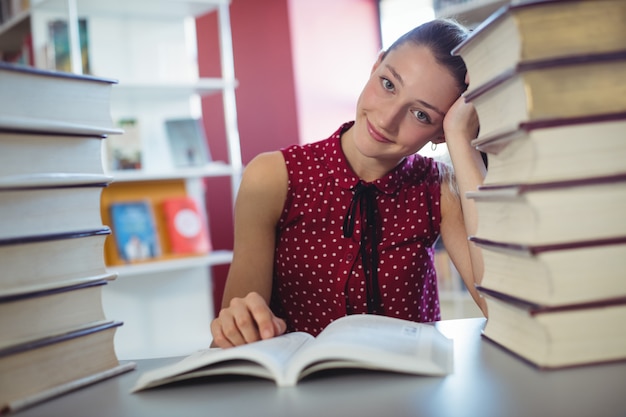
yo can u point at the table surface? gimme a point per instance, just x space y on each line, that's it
487 381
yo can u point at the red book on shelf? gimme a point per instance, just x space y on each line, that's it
186 226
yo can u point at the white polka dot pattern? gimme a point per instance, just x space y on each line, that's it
318 274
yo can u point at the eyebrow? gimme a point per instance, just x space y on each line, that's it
398 77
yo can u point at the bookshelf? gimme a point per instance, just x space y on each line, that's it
149 47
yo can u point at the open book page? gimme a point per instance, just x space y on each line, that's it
266 359
375 342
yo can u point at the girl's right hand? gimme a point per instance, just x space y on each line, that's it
245 320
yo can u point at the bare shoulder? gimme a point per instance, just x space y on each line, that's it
266 170
264 182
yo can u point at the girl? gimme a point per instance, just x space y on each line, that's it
347 225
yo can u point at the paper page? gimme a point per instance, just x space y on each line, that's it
377 342
266 358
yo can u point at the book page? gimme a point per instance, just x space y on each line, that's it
375 342
266 358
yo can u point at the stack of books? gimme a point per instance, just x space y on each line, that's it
54 335
547 81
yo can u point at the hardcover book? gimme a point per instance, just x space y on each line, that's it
187 142
525 32
50 205
557 337
134 230
554 275
66 309
39 370
74 103
29 153
579 86
62 260
186 227
557 150
552 213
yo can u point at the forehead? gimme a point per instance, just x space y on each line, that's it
417 71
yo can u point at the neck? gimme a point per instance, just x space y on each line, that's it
367 168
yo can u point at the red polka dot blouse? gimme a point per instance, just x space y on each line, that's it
348 247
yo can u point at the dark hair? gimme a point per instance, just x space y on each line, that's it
440 36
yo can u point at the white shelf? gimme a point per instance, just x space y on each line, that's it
218 257
139 9
214 169
169 90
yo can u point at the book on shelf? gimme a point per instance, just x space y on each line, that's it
134 230
554 275
36 371
29 153
187 142
59 51
49 208
552 213
556 150
65 309
41 100
577 86
62 260
525 32
557 337
187 230
125 151
351 342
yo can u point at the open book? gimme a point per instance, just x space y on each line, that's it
357 341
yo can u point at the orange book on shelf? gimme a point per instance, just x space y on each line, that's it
186 226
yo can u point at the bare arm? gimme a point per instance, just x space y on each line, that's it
459 216
245 316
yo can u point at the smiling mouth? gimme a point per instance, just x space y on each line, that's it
376 135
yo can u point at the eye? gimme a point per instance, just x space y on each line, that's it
387 85
421 116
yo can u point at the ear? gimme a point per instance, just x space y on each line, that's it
439 139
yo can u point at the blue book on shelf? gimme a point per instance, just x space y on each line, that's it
134 230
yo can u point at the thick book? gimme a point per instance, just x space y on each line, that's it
578 86
557 150
552 213
134 230
65 309
43 369
554 275
38 207
352 342
521 33
557 337
187 230
30 153
62 260
187 142
70 103
41 207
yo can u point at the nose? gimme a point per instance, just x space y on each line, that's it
389 116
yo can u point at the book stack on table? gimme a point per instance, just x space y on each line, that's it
54 335
547 81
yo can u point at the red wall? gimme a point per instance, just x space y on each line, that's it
300 65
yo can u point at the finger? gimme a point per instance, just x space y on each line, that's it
262 315
219 339
280 326
241 326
